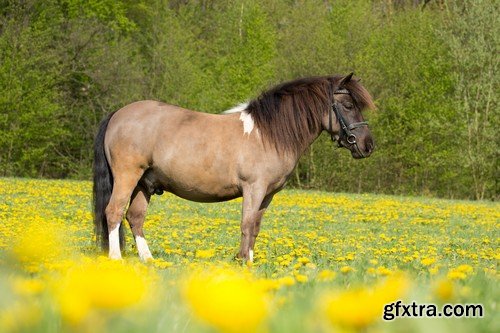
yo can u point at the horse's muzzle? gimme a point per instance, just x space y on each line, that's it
362 150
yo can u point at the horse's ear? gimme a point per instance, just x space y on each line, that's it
346 79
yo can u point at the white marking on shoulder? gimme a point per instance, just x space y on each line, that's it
238 108
247 120
250 255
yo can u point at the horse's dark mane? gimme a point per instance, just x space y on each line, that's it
288 114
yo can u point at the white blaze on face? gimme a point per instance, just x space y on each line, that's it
143 249
250 255
247 120
114 243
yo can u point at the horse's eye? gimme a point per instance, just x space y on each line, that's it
349 105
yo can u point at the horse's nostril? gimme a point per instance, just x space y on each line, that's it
369 146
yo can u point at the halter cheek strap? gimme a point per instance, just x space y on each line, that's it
345 128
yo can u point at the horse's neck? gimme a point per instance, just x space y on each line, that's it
307 143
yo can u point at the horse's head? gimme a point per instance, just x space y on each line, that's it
344 121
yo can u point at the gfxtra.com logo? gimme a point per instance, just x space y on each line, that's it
399 309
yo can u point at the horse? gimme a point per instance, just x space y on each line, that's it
149 147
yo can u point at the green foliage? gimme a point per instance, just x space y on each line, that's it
243 49
173 70
65 64
417 119
406 67
112 12
28 95
474 42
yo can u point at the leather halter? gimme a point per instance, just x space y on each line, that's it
345 128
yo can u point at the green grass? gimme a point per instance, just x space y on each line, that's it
369 236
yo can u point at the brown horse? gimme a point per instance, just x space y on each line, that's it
149 147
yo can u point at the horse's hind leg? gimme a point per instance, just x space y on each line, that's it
124 184
136 214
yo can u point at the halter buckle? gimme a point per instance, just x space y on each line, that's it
351 139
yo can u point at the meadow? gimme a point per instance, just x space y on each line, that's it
323 262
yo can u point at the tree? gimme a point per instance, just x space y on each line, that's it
29 71
473 34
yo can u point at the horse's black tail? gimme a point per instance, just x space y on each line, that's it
103 187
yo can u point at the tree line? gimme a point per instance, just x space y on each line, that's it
430 65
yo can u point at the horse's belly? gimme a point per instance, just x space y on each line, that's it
204 196
197 186
197 169
203 191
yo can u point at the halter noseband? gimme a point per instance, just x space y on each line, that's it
345 129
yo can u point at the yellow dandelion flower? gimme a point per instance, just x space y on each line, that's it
434 270
490 271
456 275
74 305
27 287
444 290
227 300
160 263
205 254
428 261
358 308
465 269
346 269
381 270
268 284
460 273
104 284
19 316
38 244
325 275
303 260
301 278
393 288
287 281
311 266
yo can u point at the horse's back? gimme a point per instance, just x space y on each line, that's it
145 115
132 130
148 125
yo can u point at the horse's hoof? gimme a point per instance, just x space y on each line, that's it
245 256
147 259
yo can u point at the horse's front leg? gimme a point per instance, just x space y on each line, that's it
263 206
254 204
